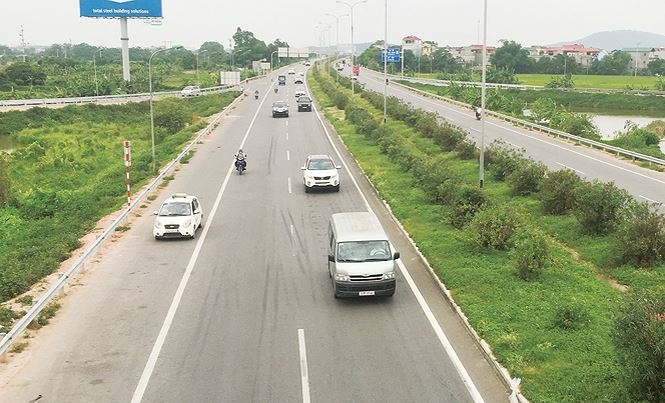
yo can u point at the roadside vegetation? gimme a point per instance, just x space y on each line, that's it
564 278
68 172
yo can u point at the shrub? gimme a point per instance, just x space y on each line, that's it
640 340
640 239
502 160
526 177
448 136
172 115
572 316
468 203
557 191
531 254
598 206
494 228
438 180
466 150
5 182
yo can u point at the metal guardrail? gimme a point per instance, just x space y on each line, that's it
557 133
105 98
45 298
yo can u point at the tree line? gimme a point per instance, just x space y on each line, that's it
509 59
86 70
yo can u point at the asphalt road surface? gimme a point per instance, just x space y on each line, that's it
245 312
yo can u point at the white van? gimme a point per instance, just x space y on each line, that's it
361 261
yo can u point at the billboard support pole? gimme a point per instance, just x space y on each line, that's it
124 41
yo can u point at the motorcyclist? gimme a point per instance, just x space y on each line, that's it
256 94
241 158
478 112
276 89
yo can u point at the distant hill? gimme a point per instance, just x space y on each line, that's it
610 40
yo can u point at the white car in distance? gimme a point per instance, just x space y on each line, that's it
191 91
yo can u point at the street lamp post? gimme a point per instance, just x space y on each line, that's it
353 48
94 66
197 66
271 55
482 98
337 17
637 53
385 65
152 116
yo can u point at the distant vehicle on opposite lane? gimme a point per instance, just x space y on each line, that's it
191 91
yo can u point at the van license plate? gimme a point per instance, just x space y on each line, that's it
365 293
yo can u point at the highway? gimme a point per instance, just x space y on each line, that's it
556 153
245 312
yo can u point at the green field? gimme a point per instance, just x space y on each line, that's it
593 81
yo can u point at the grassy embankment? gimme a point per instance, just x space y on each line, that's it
519 319
69 172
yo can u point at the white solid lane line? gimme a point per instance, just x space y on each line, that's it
304 373
149 368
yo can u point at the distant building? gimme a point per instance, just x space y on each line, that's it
582 55
414 44
640 57
472 54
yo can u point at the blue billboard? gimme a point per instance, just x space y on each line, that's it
121 8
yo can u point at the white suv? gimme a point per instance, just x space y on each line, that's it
179 216
320 171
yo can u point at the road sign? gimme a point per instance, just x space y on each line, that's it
392 54
121 8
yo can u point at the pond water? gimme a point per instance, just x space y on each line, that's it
610 125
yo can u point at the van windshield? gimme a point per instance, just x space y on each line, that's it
363 251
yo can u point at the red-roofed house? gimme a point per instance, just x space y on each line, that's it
412 43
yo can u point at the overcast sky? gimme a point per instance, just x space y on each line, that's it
304 23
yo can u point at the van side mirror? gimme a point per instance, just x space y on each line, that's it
331 258
396 256
155 212
338 167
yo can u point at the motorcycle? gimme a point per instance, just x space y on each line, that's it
241 165
256 95
477 114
